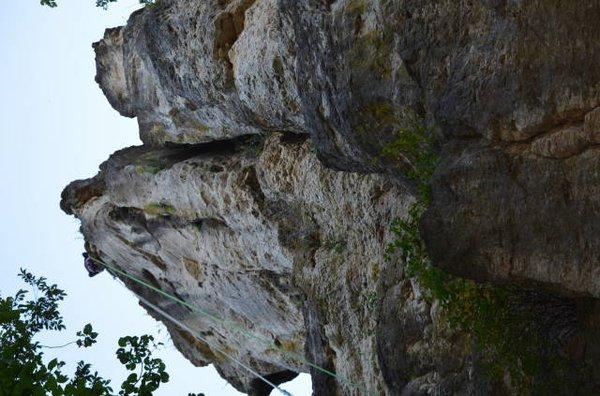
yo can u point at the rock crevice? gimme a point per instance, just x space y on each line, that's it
276 157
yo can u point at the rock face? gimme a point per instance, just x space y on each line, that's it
257 239
516 197
263 194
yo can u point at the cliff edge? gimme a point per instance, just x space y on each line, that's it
283 145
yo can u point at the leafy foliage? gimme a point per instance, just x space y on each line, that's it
504 338
134 352
99 3
413 147
22 367
87 336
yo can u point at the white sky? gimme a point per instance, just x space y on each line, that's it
56 126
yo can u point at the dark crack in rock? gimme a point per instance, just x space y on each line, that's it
263 190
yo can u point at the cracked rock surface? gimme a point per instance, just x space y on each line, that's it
262 192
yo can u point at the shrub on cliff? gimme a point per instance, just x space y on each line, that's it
502 337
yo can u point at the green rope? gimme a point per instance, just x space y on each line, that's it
232 325
220 350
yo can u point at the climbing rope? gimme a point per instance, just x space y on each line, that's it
213 347
232 325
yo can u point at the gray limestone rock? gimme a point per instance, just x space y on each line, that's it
263 191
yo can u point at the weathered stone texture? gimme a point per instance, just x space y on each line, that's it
262 191
246 237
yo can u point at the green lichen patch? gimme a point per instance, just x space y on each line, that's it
160 209
375 271
355 7
412 146
200 127
142 169
150 163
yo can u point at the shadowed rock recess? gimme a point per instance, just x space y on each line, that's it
263 192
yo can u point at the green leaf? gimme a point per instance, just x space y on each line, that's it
52 364
164 377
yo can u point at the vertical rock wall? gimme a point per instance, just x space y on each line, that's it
263 192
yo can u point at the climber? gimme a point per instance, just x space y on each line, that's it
91 266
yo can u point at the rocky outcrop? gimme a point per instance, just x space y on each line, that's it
264 238
515 199
264 190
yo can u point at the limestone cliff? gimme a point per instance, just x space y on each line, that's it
265 191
